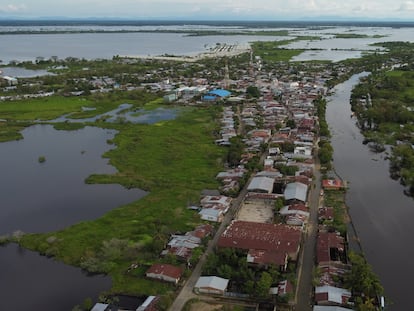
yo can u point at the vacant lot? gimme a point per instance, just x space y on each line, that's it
257 211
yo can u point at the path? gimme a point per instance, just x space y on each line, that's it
304 299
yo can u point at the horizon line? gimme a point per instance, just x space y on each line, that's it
201 20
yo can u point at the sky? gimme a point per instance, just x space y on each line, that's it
211 9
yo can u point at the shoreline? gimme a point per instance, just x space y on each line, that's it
221 50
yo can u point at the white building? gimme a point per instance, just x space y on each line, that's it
211 285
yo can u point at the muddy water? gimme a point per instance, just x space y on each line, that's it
381 213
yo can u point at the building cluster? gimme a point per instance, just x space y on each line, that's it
280 127
182 246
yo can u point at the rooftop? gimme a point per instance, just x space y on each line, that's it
212 282
261 236
165 269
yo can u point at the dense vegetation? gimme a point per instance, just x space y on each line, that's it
231 264
364 284
383 103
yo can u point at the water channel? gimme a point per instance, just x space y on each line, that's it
382 215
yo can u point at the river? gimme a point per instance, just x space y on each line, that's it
382 215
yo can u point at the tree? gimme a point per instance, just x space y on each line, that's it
263 285
291 123
253 91
362 281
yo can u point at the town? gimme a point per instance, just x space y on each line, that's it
273 235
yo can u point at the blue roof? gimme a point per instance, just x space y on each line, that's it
219 92
207 97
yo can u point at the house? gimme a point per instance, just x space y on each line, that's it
332 184
220 202
303 151
330 295
211 214
329 247
296 192
150 304
332 273
186 240
265 258
164 272
100 307
216 95
180 252
202 231
261 184
329 308
11 80
170 97
248 236
293 209
211 285
296 214
284 288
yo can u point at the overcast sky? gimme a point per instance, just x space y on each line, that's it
211 9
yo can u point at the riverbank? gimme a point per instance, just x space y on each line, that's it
379 210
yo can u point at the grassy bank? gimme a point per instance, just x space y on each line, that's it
22 113
174 161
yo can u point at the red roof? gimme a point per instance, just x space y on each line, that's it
165 269
202 231
262 236
298 207
326 241
331 184
267 257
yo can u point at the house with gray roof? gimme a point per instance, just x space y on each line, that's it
211 285
296 192
330 295
261 184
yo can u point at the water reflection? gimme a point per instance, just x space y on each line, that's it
18 72
40 197
124 114
381 213
33 282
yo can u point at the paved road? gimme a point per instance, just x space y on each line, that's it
186 292
308 251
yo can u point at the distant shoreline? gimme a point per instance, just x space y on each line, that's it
227 23
223 50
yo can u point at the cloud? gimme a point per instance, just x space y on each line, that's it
12 8
406 6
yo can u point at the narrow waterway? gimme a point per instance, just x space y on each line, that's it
381 213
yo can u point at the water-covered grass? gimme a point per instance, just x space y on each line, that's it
173 160
15 115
